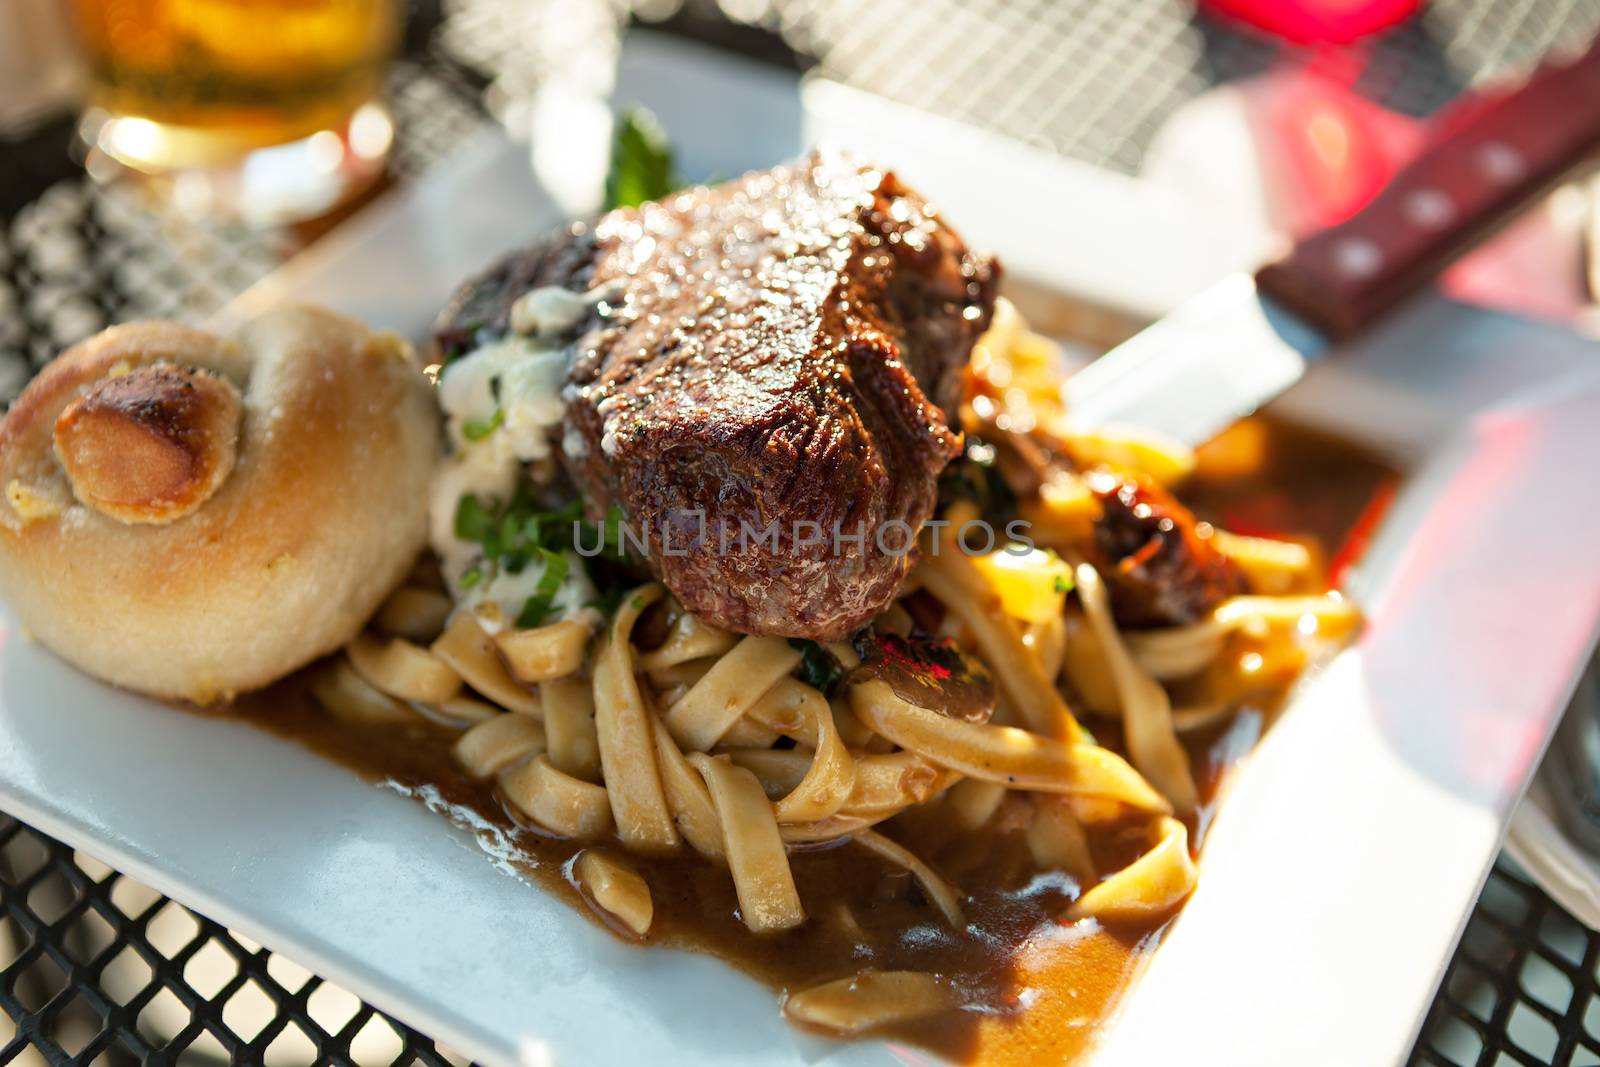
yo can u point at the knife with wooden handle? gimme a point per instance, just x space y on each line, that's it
1223 353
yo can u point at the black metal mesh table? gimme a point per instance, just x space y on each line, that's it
96 968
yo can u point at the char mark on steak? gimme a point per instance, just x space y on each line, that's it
778 355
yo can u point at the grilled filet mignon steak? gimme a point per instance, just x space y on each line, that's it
767 378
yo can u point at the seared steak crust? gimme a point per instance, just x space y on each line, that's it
773 364
480 311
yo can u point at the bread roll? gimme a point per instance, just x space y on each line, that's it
192 517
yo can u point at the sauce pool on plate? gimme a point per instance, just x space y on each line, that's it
1036 988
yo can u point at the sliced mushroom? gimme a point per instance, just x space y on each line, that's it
930 673
870 999
615 890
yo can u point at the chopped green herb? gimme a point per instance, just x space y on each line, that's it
470 578
1063 584
475 523
610 534
478 429
537 606
510 533
609 600
817 668
641 161
514 533
515 548
976 477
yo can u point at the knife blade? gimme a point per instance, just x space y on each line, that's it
1212 361
1225 352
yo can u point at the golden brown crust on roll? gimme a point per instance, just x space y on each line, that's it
150 445
250 569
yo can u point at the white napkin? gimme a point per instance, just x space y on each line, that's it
1566 871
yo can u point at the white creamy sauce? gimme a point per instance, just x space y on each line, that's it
518 378
502 404
573 444
551 309
480 473
573 600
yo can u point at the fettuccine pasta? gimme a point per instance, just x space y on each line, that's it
997 695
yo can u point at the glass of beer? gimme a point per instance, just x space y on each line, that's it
263 110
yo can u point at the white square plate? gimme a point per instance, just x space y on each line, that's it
1333 886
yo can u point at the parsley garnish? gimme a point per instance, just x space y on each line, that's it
641 161
478 429
976 477
537 606
609 533
513 534
475 523
817 668
609 600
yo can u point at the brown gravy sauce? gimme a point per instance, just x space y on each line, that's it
1039 988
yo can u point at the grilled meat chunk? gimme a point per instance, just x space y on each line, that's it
1159 565
767 385
480 311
